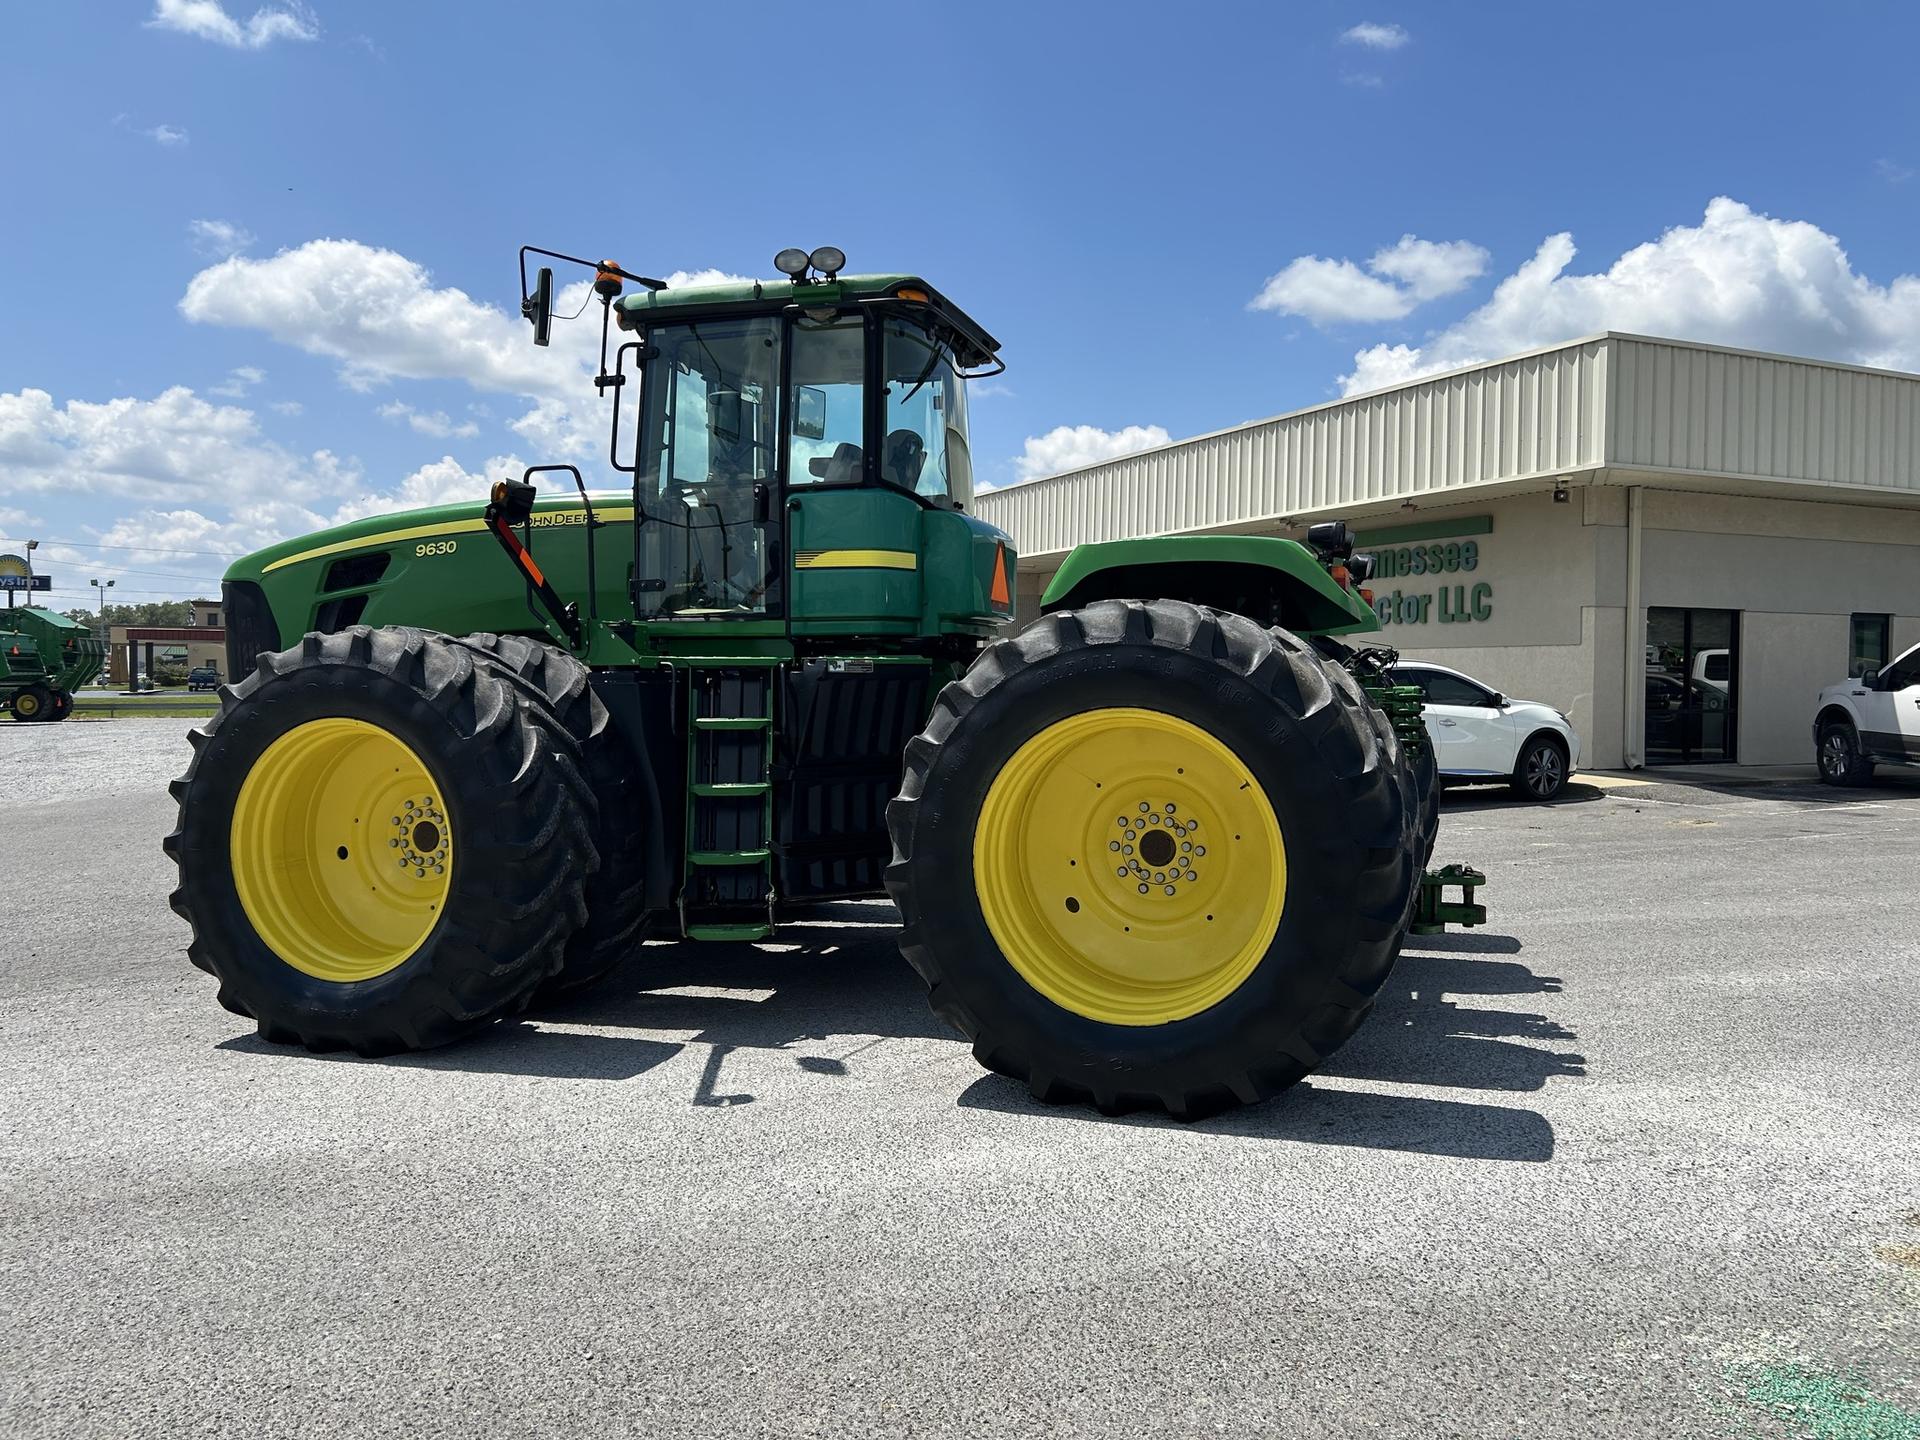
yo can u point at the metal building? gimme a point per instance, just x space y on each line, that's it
1677 543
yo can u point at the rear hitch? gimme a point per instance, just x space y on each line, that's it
1434 912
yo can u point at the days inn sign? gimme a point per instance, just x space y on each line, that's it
16 574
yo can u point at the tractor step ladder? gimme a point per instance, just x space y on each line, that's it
726 887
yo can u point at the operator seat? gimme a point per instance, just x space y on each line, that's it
903 459
840 468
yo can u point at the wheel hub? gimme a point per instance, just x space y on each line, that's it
1157 849
1129 866
341 849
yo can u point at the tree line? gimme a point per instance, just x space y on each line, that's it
153 612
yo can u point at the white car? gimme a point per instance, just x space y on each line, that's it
1874 720
1479 734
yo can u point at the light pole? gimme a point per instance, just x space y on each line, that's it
106 636
32 545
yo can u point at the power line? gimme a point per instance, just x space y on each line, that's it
92 604
157 574
136 549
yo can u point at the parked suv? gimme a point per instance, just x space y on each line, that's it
1874 720
1479 734
203 677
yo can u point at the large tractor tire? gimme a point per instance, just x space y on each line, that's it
616 892
382 844
35 703
1147 854
62 705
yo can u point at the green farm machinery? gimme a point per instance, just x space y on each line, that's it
1157 847
44 659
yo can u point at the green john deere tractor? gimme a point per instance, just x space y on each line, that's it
44 659
1157 848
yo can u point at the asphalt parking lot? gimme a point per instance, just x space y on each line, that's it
1637 1159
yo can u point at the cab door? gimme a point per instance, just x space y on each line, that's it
853 546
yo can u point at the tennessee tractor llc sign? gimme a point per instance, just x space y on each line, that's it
1462 601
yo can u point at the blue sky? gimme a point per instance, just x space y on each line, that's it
1176 218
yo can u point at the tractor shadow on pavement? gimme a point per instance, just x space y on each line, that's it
512 1048
1466 799
1417 1035
838 978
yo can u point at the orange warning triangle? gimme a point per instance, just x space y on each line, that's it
997 592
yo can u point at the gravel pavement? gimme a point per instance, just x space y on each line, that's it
1646 1142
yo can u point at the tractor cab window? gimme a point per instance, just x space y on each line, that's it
924 445
827 402
708 443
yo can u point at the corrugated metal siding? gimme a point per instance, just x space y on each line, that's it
1533 415
1719 412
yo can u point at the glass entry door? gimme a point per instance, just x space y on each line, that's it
1693 673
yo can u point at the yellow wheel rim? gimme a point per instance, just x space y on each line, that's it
1129 866
26 705
342 851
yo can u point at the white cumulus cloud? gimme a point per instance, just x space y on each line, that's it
239 381
176 447
209 20
436 423
440 482
1074 447
382 318
1403 275
1375 36
218 239
377 313
1737 278
682 279
168 135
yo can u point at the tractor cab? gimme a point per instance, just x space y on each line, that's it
799 453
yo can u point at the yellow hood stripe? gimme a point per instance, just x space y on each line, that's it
610 513
855 560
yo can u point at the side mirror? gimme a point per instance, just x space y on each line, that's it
810 413
538 307
1870 679
1500 702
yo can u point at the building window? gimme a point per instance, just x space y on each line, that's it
1868 648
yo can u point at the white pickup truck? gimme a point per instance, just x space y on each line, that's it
1874 720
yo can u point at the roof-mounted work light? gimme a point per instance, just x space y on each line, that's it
791 262
1331 538
829 260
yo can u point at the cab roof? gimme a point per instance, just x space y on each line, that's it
977 347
